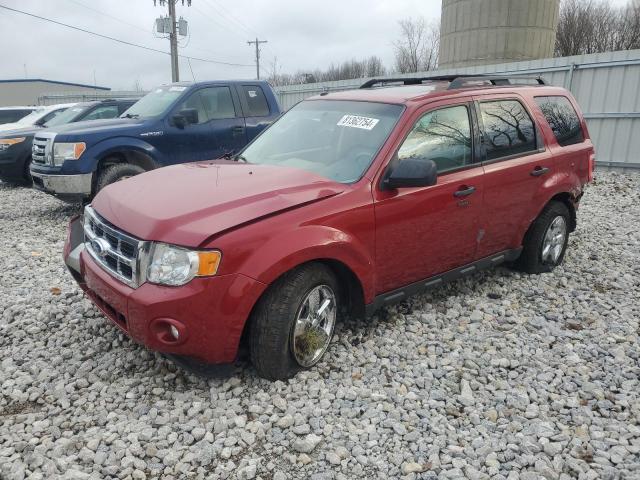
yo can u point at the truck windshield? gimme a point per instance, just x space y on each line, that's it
69 115
154 103
334 139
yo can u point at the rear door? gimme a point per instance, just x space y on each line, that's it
516 167
571 149
421 232
258 114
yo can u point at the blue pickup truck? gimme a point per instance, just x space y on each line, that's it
176 123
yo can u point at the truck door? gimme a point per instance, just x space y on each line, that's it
209 128
256 109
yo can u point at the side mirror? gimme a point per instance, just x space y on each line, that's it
185 117
412 172
40 122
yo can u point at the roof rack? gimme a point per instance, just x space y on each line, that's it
455 81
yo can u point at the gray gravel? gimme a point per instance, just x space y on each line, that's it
500 375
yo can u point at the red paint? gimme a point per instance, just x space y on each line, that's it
267 220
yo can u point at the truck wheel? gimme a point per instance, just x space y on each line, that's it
115 173
292 324
546 241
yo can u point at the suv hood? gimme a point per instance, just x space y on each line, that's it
186 204
19 132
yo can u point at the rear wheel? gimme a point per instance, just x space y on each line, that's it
115 173
546 242
292 325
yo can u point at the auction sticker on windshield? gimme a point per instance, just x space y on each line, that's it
355 121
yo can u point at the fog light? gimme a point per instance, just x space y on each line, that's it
174 332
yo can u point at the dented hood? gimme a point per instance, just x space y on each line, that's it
186 204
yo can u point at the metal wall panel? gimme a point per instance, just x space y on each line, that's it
606 85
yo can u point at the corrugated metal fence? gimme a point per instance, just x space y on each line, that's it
606 85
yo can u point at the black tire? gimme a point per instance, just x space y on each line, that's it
26 175
116 172
273 319
531 260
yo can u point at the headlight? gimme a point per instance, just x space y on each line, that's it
67 151
7 142
174 266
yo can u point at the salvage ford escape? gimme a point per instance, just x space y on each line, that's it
349 202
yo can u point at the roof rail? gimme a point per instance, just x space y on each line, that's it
455 81
495 80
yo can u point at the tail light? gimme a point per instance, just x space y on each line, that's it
592 166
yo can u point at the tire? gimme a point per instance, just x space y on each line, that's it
272 333
116 172
26 175
533 258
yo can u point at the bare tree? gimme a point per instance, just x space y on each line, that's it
418 46
592 26
368 67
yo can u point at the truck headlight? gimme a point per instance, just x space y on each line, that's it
5 143
67 151
175 266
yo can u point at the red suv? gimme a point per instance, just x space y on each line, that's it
349 202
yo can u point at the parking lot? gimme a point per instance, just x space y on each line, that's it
500 375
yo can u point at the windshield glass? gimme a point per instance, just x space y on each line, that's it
69 115
334 139
155 103
32 117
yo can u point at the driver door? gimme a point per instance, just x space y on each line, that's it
425 231
214 131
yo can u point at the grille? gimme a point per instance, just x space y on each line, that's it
39 148
115 251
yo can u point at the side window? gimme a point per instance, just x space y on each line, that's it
256 101
443 136
211 103
107 111
562 118
508 129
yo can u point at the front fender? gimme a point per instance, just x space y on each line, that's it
289 249
95 153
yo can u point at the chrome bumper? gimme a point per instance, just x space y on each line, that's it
64 184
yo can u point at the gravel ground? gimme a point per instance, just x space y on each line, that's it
500 375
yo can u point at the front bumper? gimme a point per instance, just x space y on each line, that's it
63 185
210 312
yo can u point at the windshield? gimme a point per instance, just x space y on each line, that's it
334 139
154 103
69 115
32 117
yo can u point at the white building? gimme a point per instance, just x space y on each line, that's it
27 91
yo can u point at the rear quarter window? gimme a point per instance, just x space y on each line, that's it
255 101
562 118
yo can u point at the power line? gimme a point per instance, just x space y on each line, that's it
113 39
138 27
225 14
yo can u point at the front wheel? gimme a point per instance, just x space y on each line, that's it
115 173
293 323
546 242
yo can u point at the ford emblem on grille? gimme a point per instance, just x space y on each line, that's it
100 246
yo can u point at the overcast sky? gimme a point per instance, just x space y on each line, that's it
303 35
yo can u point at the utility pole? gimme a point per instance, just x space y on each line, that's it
173 40
170 25
257 43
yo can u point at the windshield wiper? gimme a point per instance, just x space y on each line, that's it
240 158
130 115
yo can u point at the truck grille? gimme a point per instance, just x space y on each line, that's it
41 152
112 249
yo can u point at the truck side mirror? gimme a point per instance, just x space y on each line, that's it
412 172
188 116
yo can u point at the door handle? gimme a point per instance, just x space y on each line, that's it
464 191
539 171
